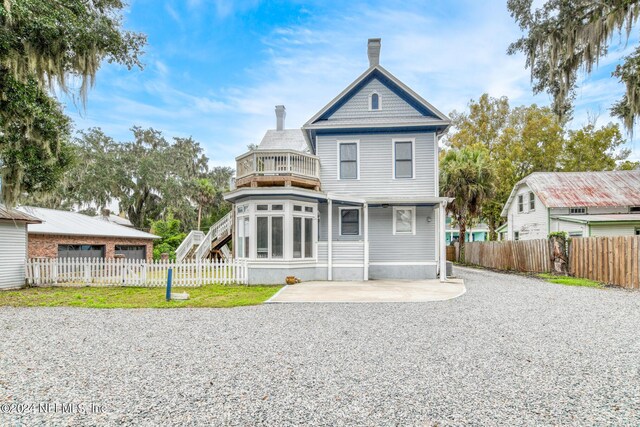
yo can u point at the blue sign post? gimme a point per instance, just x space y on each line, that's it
169 277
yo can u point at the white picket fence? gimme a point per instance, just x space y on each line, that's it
129 272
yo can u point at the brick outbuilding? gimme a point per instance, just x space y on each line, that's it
64 234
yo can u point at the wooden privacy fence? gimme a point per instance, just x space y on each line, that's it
613 260
521 255
123 272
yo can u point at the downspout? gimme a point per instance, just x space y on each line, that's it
330 239
366 241
443 249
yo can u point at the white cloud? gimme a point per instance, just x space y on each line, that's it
449 58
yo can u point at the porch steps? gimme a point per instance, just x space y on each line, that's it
213 245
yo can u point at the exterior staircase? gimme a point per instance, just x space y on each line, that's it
200 246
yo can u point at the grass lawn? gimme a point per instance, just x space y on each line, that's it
133 297
571 281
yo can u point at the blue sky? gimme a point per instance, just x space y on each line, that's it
215 69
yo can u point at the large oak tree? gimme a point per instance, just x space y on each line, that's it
45 45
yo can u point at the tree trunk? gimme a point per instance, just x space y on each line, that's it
462 223
493 236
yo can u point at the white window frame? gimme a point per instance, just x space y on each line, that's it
251 213
270 215
342 208
582 210
379 101
240 220
532 198
413 220
353 141
520 203
413 156
303 215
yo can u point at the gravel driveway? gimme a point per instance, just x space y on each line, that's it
511 351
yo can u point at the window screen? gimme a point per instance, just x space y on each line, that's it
349 161
308 237
262 237
297 237
277 237
350 222
404 159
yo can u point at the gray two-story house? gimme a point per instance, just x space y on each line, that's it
352 195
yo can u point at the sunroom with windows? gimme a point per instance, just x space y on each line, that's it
276 230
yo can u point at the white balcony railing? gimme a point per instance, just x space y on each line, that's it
277 162
194 238
218 230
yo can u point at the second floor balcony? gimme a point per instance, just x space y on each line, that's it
272 168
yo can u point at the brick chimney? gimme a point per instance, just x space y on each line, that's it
281 113
373 51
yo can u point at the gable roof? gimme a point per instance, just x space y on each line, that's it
77 224
286 139
578 189
16 215
430 114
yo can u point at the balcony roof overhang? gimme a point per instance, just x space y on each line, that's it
243 192
320 196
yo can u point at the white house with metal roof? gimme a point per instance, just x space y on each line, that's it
580 203
353 195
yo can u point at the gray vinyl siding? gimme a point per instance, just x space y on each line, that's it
376 166
322 222
13 253
385 247
348 253
323 253
358 106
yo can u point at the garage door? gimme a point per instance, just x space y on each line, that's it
132 251
80 251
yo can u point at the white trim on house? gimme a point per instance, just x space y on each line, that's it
413 157
441 117
413 220
273 191
436 164
348 141
288 214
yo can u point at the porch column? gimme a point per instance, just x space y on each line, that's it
329 239
365 224
443 248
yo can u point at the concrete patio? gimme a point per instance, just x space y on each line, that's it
371 291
